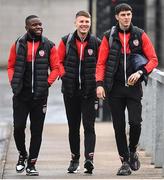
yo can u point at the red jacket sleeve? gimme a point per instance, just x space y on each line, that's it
61 53
102 58
149 53
54 66
11 62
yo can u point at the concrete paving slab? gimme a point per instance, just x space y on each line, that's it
55 155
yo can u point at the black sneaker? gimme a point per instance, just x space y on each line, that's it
124 170
31 171
134 161
88 166
20 166
74 166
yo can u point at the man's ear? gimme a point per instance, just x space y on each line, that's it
75 23
116 16
26 28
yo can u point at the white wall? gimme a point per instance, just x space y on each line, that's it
57 17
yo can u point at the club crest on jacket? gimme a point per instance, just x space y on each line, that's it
136 42
41 53
90 51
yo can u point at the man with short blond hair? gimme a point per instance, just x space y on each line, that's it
78 54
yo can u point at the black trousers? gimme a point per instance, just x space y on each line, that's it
36 109
78 108
120 98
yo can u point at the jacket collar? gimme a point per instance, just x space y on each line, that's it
26 37
126 31
78 38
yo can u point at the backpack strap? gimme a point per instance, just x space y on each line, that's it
111 35
17 43
68 42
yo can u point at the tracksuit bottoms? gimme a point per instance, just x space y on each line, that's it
79 108
120 98
36 109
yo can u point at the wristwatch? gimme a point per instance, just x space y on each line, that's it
140 72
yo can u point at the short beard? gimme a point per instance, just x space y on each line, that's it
33 35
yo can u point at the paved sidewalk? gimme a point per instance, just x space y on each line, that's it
54 157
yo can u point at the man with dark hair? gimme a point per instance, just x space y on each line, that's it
116 72
30 59
30 17
78 54
122 7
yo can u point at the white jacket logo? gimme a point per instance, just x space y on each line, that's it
44 108
41 53
90 51
136 42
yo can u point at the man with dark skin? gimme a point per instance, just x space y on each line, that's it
31 57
